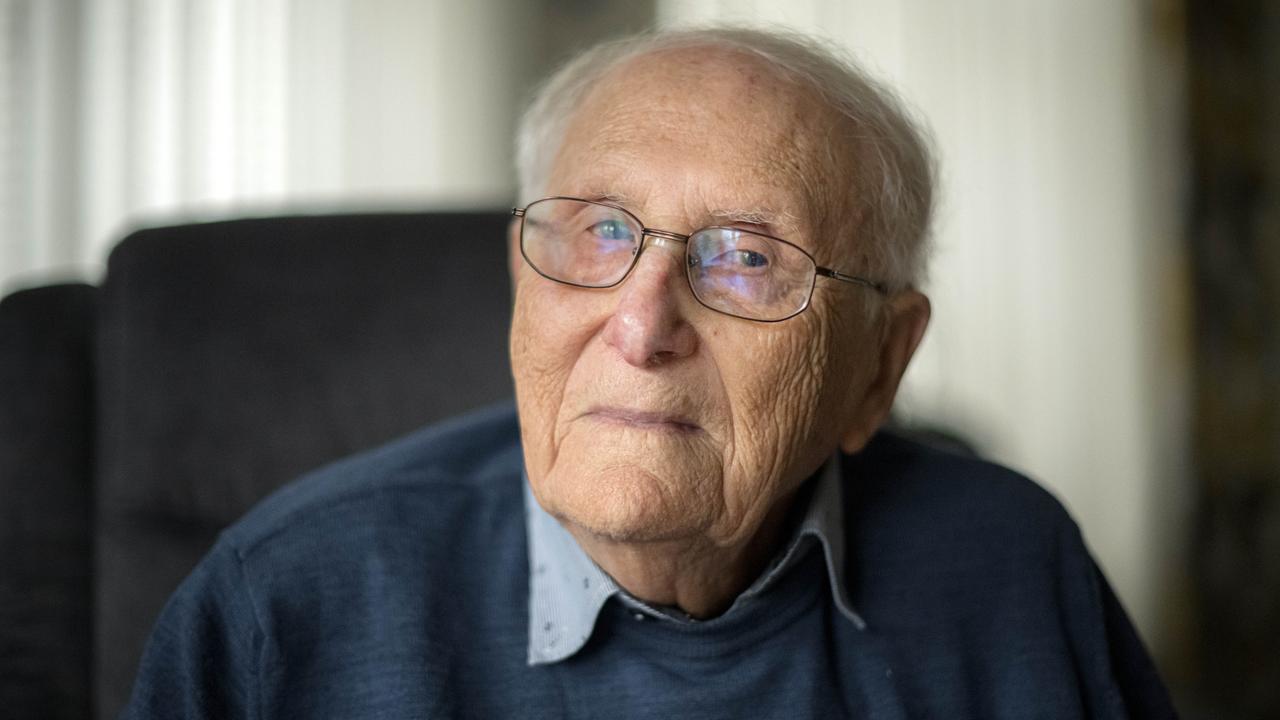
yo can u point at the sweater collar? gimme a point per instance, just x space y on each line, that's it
567 589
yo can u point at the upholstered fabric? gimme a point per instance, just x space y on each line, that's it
45 448
234 356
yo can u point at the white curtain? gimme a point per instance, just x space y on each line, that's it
1056 343
115 113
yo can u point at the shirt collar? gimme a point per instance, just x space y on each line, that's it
567 589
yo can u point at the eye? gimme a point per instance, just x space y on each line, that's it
611 230
739 258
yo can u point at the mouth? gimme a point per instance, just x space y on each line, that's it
642 419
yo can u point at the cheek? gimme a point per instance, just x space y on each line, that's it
550 326
786 408
775 399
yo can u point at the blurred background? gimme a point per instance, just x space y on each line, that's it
1106 283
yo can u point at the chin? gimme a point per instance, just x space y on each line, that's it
624 504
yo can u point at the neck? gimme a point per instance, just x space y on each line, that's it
696 575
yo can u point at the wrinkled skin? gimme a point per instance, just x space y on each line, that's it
669 439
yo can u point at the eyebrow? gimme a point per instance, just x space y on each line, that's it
608 197
763 216
756 216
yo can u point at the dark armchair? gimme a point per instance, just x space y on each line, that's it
214 363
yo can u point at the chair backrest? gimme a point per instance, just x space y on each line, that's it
45 475
233 356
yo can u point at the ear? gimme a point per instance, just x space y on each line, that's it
906 318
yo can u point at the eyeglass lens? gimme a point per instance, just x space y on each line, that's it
732 271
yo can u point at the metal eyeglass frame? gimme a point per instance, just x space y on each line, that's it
646 231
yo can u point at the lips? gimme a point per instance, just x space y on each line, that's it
643 419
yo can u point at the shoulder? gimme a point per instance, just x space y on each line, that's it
475 458
901 486
329 567
936 533
954 557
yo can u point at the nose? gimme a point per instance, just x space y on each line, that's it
648 326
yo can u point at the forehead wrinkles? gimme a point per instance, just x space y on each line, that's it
755 191
768 136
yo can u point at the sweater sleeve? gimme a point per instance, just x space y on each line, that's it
1119 680
1144 694
202 658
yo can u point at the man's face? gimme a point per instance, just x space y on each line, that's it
644 415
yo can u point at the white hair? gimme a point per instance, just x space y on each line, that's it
891 195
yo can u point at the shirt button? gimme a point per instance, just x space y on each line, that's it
639 617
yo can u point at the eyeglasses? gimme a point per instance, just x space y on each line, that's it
737 272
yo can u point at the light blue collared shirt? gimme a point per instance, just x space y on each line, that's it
567 589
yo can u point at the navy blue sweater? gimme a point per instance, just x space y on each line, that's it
395 585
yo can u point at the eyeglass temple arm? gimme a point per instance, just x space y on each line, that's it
837 275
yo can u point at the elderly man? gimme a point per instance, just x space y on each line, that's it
691 512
